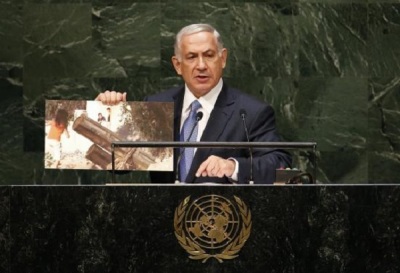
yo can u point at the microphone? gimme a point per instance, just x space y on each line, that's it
243 115
199 116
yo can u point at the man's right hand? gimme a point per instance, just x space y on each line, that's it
111 97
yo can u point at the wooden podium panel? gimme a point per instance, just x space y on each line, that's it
156 228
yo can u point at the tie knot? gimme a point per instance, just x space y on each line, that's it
195 106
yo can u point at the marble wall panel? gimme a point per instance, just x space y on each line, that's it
11 89
383 138
11 26
383 112
11 120
383 38
11 55
333 40
56 39
272 49
333 112
129 34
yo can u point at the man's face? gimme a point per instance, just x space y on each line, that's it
200 65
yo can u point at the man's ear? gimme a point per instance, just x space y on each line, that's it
224 56
177 65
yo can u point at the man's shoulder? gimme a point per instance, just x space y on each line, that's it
168 95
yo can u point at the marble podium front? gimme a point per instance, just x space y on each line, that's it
131 229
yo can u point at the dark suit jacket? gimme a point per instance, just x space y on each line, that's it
225 124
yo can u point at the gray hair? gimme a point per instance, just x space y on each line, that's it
196 28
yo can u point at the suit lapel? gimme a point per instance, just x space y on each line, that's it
178 102
216 124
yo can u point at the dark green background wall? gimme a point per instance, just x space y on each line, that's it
331 70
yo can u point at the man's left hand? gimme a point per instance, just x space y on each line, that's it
216 166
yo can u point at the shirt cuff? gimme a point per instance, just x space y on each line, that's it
234 177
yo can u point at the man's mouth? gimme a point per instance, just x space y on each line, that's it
202 78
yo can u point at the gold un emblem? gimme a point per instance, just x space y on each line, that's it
212 227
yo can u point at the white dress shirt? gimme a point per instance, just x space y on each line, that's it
207 105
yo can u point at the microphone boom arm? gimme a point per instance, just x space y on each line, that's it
243 116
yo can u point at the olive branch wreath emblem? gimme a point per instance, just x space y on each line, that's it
198 253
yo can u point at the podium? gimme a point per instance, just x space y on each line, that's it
156 228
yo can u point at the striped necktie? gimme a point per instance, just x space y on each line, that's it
188 152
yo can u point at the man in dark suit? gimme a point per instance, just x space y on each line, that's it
200 59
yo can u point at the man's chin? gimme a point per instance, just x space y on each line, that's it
198 92
202 88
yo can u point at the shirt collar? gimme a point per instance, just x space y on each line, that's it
207 101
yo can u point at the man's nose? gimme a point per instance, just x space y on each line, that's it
201 64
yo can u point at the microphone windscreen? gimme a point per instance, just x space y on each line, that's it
243 113
199 116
